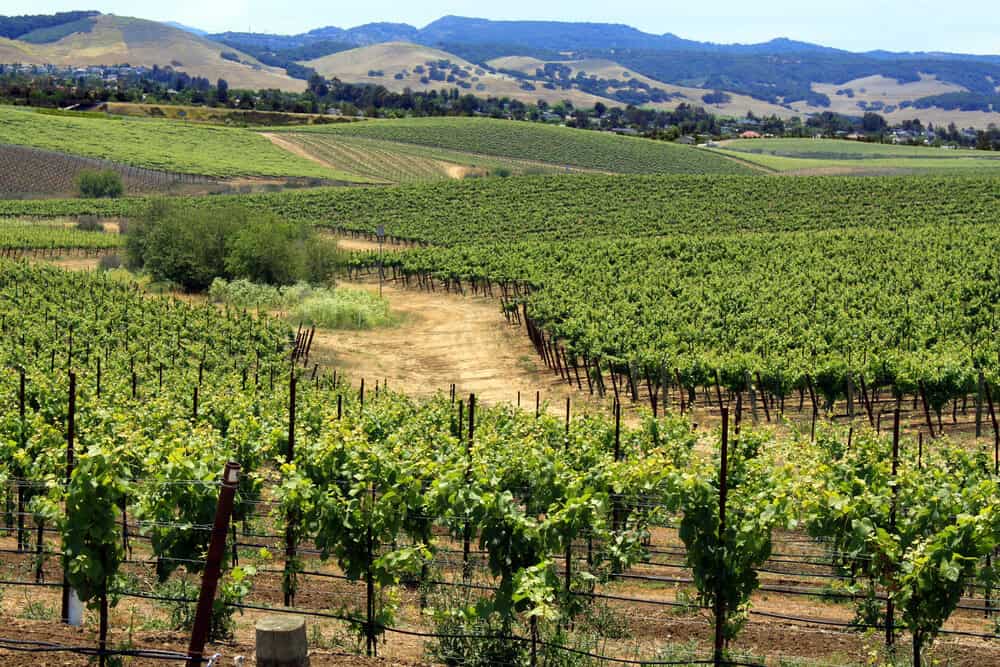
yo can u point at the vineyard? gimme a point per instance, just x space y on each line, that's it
32 172
492 535
376 162
587 206
29 235
397 162
839 149
803 155
543 143
161 145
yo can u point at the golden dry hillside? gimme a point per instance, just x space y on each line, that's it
738 105
382 63
115 40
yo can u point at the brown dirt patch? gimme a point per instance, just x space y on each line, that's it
460 171
443 339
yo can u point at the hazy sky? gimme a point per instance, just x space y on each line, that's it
966 26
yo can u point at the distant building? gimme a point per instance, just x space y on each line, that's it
686 139
750 134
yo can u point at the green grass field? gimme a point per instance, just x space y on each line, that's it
792 155
160 144
550 144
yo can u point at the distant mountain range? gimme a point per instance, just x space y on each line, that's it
552 36
531 60
781 71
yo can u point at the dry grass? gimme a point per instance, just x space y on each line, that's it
117 39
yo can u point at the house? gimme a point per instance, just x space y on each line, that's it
750 134
686 139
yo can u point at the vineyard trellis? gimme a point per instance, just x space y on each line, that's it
386 493
27 171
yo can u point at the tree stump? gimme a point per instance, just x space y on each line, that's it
281 641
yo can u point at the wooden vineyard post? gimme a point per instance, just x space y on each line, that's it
979 406
763 396
753 397
849 382
720 605
22 537
569 543
996 428
467 530
194 403
738 421
927 409
370 649
213 565
292 519
718 388
920 450
617 452
867 400
70 461
890 634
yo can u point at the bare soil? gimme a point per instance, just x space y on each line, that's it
440 340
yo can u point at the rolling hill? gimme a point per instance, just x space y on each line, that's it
782 75
604 69
501 58
165 145
401 65
107 40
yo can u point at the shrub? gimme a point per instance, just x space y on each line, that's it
99 184
320 306
187 247
267 251
192 247
89 223
109 263
343 309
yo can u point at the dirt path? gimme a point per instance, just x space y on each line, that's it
443 339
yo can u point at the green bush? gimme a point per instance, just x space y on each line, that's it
89 223
188 247
100 184
267 251
193 246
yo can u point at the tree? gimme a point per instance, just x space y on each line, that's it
99 184
267 251
873 123
317 86
186 246
192 247
222 86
